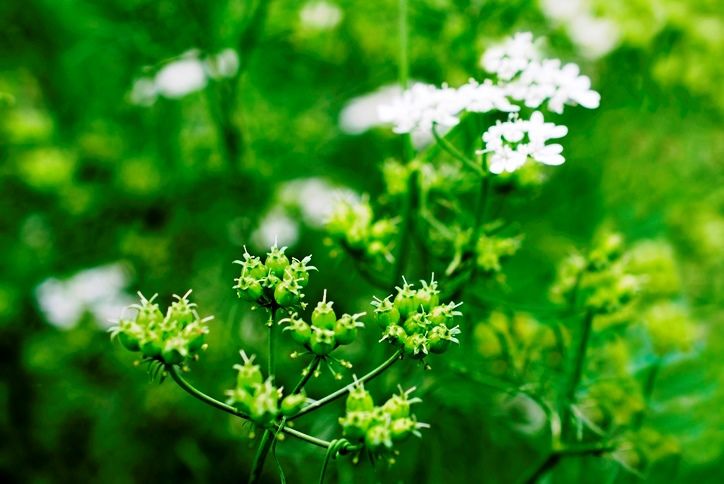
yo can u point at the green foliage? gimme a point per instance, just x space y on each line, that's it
168 188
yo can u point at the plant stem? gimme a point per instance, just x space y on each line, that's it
555 456
190 389
267 440
342 391
578 363
648 390
403 73
407 227
457 154
271 324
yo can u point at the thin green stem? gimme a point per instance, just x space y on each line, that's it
578 364
271 324
307 374
190 389
554 457
344 390
403 73
648 390
407 227
452 150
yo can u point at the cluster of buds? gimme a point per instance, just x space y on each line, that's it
276 281
259 398
377 428
600 278
325 332
353 225
169 339
416 322
491 250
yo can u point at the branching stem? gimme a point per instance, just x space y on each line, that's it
344 390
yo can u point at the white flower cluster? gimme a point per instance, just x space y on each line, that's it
425 105
533 82
514 141
187 74
522 77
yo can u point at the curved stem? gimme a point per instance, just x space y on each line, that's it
457 154
342 391
190 389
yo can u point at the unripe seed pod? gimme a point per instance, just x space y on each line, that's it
386 312
359 400
287 293
401 428
398 406
406 300
322 341
355 424
323 316
276 261
293 403
378 436
249 288
301 332
249 374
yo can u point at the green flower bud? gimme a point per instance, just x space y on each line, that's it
355 424
406 300
322 341
359 399
428 296
276 261
345 330
293 403
378 436
386 312
323 316
249 374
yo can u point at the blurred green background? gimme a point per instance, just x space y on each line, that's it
116 176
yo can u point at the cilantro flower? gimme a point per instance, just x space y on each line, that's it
514 141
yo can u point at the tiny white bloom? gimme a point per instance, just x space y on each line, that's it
320 15
511 56
421 106
180 78
512 142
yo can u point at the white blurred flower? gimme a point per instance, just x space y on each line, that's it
320 15
421 106
511 56
485 97
276 227
593 36
548 81
315 198
188 74
181 77
99 291
512 142
362 113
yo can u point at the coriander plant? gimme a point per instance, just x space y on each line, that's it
462 147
